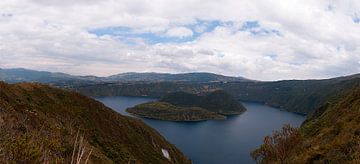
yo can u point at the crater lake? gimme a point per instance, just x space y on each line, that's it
214 142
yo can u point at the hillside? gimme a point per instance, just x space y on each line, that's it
39 123
333 132
301 96
217 101
169 112
330 135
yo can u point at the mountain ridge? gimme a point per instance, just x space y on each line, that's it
26 75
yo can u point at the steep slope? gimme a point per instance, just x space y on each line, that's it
330 135
39 123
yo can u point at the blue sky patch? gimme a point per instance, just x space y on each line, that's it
356 20
355 17
130 36
255 29
248 25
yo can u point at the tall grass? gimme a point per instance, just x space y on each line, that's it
79 151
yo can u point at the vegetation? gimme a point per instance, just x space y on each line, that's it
169 112
182 106
278 146
217 101
42 124
221 102
330 135
183 99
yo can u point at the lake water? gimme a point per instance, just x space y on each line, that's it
216 142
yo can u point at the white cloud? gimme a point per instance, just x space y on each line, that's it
179 32
318 38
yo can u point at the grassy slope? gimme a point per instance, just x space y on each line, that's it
169 112
332 134
39 122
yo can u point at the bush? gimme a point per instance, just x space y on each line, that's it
277 148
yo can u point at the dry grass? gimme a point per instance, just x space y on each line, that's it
79 151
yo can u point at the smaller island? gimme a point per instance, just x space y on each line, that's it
182 106
168 112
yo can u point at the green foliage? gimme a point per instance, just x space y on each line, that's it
169 112
221 102
217 101
183 99
182 106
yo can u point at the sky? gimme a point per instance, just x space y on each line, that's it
256 39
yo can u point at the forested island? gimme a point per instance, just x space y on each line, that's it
182 106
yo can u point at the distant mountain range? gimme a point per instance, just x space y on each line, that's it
193 77
25 75
301 96
22 75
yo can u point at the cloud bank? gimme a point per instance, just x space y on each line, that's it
258 39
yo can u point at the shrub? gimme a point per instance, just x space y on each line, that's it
277 148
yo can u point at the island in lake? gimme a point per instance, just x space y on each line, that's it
182 106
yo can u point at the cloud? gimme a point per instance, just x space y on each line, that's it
179 32
265 40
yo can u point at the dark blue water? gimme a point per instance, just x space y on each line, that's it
216 142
